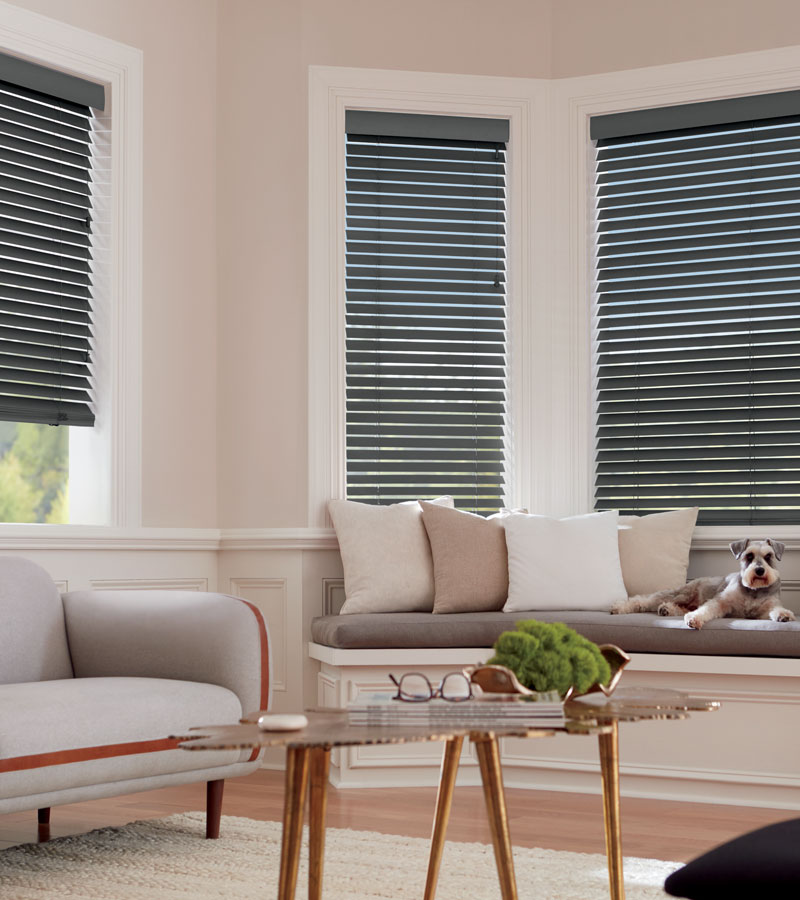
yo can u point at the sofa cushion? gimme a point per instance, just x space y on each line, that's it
35 648
67 733
635 633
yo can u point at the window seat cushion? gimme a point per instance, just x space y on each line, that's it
635 633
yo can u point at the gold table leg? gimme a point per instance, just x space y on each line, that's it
492 777
609 768
317 806
444 800
295 784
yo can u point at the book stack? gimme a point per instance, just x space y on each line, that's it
487 712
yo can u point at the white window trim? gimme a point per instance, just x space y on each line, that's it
523 102
119 66
574 101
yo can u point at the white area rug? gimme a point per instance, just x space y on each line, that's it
170 858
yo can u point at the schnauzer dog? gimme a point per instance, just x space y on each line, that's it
754 592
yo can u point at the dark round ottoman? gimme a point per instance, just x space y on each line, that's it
764 863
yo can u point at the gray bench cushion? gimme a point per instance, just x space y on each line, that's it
636 633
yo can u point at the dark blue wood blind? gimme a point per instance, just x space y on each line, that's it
46 165
698 268
426 318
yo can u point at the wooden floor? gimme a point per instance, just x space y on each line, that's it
560 821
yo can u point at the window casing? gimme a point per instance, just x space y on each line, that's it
51 186
426 336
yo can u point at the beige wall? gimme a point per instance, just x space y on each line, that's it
225 194
178 38
265 48
591 36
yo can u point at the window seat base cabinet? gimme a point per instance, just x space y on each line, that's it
744 754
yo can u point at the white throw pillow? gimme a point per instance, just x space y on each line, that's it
563 563
654 550
386 556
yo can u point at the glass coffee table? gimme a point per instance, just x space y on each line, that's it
308 762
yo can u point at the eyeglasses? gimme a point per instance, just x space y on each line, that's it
414 687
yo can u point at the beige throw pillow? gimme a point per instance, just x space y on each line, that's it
654 550
470 562
385 555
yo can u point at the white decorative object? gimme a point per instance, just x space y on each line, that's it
278 722
386 556
568 563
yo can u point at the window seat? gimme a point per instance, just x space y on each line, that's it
635 633
743 754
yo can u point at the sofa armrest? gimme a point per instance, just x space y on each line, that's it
187 635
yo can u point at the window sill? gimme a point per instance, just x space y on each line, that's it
717 537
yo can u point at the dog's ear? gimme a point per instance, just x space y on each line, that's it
737 548
777 546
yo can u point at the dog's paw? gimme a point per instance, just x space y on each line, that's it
782 615
664 610
693 620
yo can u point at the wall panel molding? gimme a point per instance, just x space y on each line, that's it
270 595
150 584
332 596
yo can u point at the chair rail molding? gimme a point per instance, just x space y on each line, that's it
332 90
79 537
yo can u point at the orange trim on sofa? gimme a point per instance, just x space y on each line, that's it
84 754
263 641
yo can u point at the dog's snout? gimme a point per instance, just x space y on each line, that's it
759 570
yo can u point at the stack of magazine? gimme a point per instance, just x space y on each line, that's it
543 710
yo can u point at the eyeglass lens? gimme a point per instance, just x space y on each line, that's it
455 686
415 686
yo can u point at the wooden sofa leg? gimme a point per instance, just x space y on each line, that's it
43 815
213 807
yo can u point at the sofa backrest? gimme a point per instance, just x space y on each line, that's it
33 638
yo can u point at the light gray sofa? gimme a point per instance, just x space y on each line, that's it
93 683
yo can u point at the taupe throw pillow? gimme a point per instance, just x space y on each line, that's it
470 563
654 550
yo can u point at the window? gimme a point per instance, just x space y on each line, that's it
46 271
698 332
426 336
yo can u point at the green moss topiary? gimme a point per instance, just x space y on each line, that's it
550 656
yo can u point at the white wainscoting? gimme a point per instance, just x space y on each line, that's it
745 753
